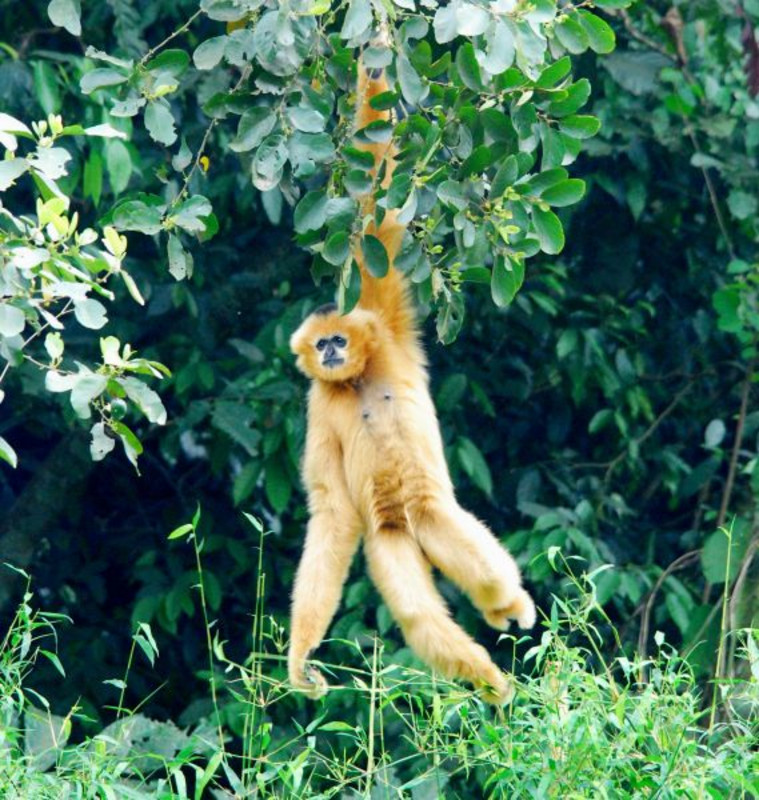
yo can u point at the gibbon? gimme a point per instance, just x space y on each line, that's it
374 468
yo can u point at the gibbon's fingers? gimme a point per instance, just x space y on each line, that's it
331 543
403 577
461 547
306 678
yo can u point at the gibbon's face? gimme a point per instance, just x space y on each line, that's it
334 348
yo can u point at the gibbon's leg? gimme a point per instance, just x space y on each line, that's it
403 577
331 542
463 548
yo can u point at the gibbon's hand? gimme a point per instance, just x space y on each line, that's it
306 678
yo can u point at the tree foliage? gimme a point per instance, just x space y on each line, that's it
592 212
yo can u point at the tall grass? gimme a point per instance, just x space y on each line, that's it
587 722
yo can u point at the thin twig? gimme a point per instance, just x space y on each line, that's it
737 443
153 50
683 561
649 431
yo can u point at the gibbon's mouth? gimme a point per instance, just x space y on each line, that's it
333 362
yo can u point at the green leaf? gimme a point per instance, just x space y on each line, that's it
613 3
173 61
507 173
572 34
349 290
497 125
474 464
311 211
506 279
277 485
549 230
100 78
46 87
90 313
413 88
224 10
134 215
190 215
118 163
159 122
726 302
445 23
566 193
554 73
208 54
358 158
384 100
7 453
180 261
742 205
501 47
468 68
93 176
181 531
306 119
86 387
451 193
147 400
601 419
131 444
66 14
254 126
715 552
12 320
577 95
580 126
336 248
101 443
375 256
600 33
358 182
269 161
357 20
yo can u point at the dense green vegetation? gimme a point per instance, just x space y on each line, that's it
597 293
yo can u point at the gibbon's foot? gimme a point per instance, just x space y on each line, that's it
309 681
522 609
500 692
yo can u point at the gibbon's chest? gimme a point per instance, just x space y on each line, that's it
380 408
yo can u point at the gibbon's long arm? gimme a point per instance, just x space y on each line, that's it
331 542
389 295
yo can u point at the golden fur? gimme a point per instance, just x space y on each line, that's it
374 468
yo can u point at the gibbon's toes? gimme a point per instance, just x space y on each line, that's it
311 682
521 609
500 692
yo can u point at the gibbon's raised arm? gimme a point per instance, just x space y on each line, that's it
388 296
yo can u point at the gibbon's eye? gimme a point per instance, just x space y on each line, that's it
321 344
339 341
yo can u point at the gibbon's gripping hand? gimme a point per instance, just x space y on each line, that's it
306 678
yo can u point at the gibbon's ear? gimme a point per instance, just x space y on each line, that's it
299 339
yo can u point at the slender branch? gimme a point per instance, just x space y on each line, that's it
65 310
641 37
650 430
206 136
735 597
737 443
713 198
683 561
153 50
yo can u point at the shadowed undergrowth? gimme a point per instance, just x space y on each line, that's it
587 721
